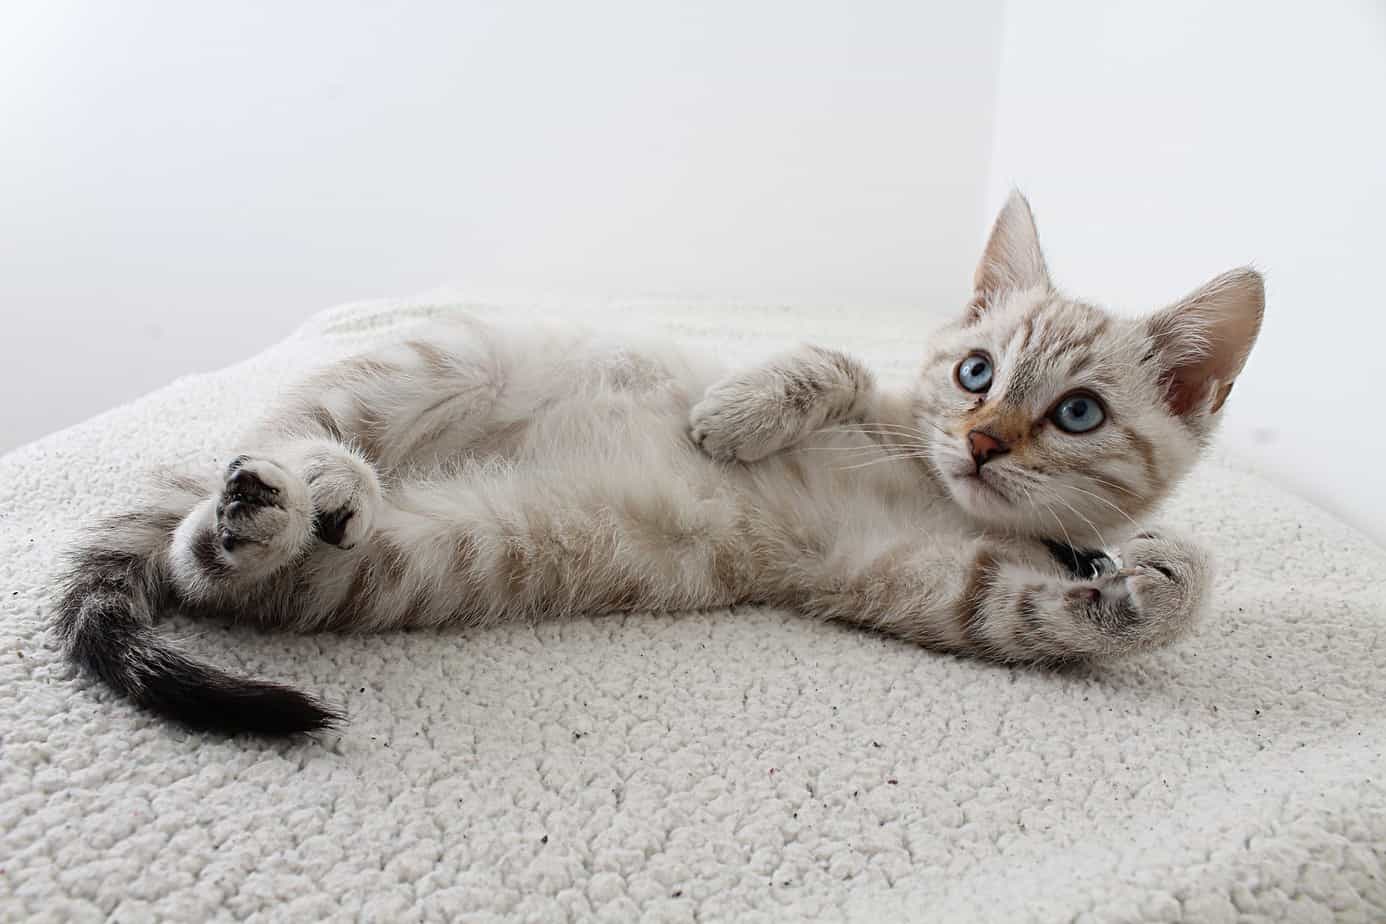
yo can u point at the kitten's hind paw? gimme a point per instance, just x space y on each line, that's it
345 493
263 516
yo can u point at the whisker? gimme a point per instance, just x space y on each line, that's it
1107 502
1060 523
874 447
1091 525
892 434
1030 498
1112 484
882 426
885 458
888 437
869 447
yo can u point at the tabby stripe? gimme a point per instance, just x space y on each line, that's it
371 434
394 563
1028 629
327 421
1086 340
1147 452
368 367
970 609
1033 633
205 551
437 361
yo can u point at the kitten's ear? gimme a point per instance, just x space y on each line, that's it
1202 341
1012 259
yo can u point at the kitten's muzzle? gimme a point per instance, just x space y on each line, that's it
984 446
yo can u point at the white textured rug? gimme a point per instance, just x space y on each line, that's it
743 765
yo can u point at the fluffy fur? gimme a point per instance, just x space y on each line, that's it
476 473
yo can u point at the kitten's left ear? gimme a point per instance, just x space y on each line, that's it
1202 341
1012 259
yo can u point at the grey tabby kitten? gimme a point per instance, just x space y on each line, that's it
472 474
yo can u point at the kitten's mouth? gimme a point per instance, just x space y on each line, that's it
978 487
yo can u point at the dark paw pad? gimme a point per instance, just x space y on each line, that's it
1081 563
235 509
245 487
331 527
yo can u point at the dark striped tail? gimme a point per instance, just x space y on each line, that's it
105 618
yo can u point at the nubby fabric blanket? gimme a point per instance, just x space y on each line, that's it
736 765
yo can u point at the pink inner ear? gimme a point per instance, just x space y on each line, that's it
1206 339
1189 384
1187 388
1230 339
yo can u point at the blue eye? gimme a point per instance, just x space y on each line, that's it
1078 414
974 373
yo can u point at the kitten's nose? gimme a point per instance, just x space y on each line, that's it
984 446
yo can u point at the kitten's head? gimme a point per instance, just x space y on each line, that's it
1051 417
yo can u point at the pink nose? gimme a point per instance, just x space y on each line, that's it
984 446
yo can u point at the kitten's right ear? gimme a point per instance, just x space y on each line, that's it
1012 259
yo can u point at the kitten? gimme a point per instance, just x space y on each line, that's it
472 474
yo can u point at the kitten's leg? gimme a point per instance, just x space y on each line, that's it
409 404
257 541
494 546
309 472
760 411
271 507
984 601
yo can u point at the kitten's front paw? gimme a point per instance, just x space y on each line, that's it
1167 579
263 515
345 494
1152 600
734 422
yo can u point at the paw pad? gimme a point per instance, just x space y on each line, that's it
331 526
245 487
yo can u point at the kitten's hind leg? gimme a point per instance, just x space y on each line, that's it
258 520
343 487
268 511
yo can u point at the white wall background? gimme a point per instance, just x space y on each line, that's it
182 183
1163 143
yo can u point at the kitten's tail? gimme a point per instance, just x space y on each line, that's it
105 619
